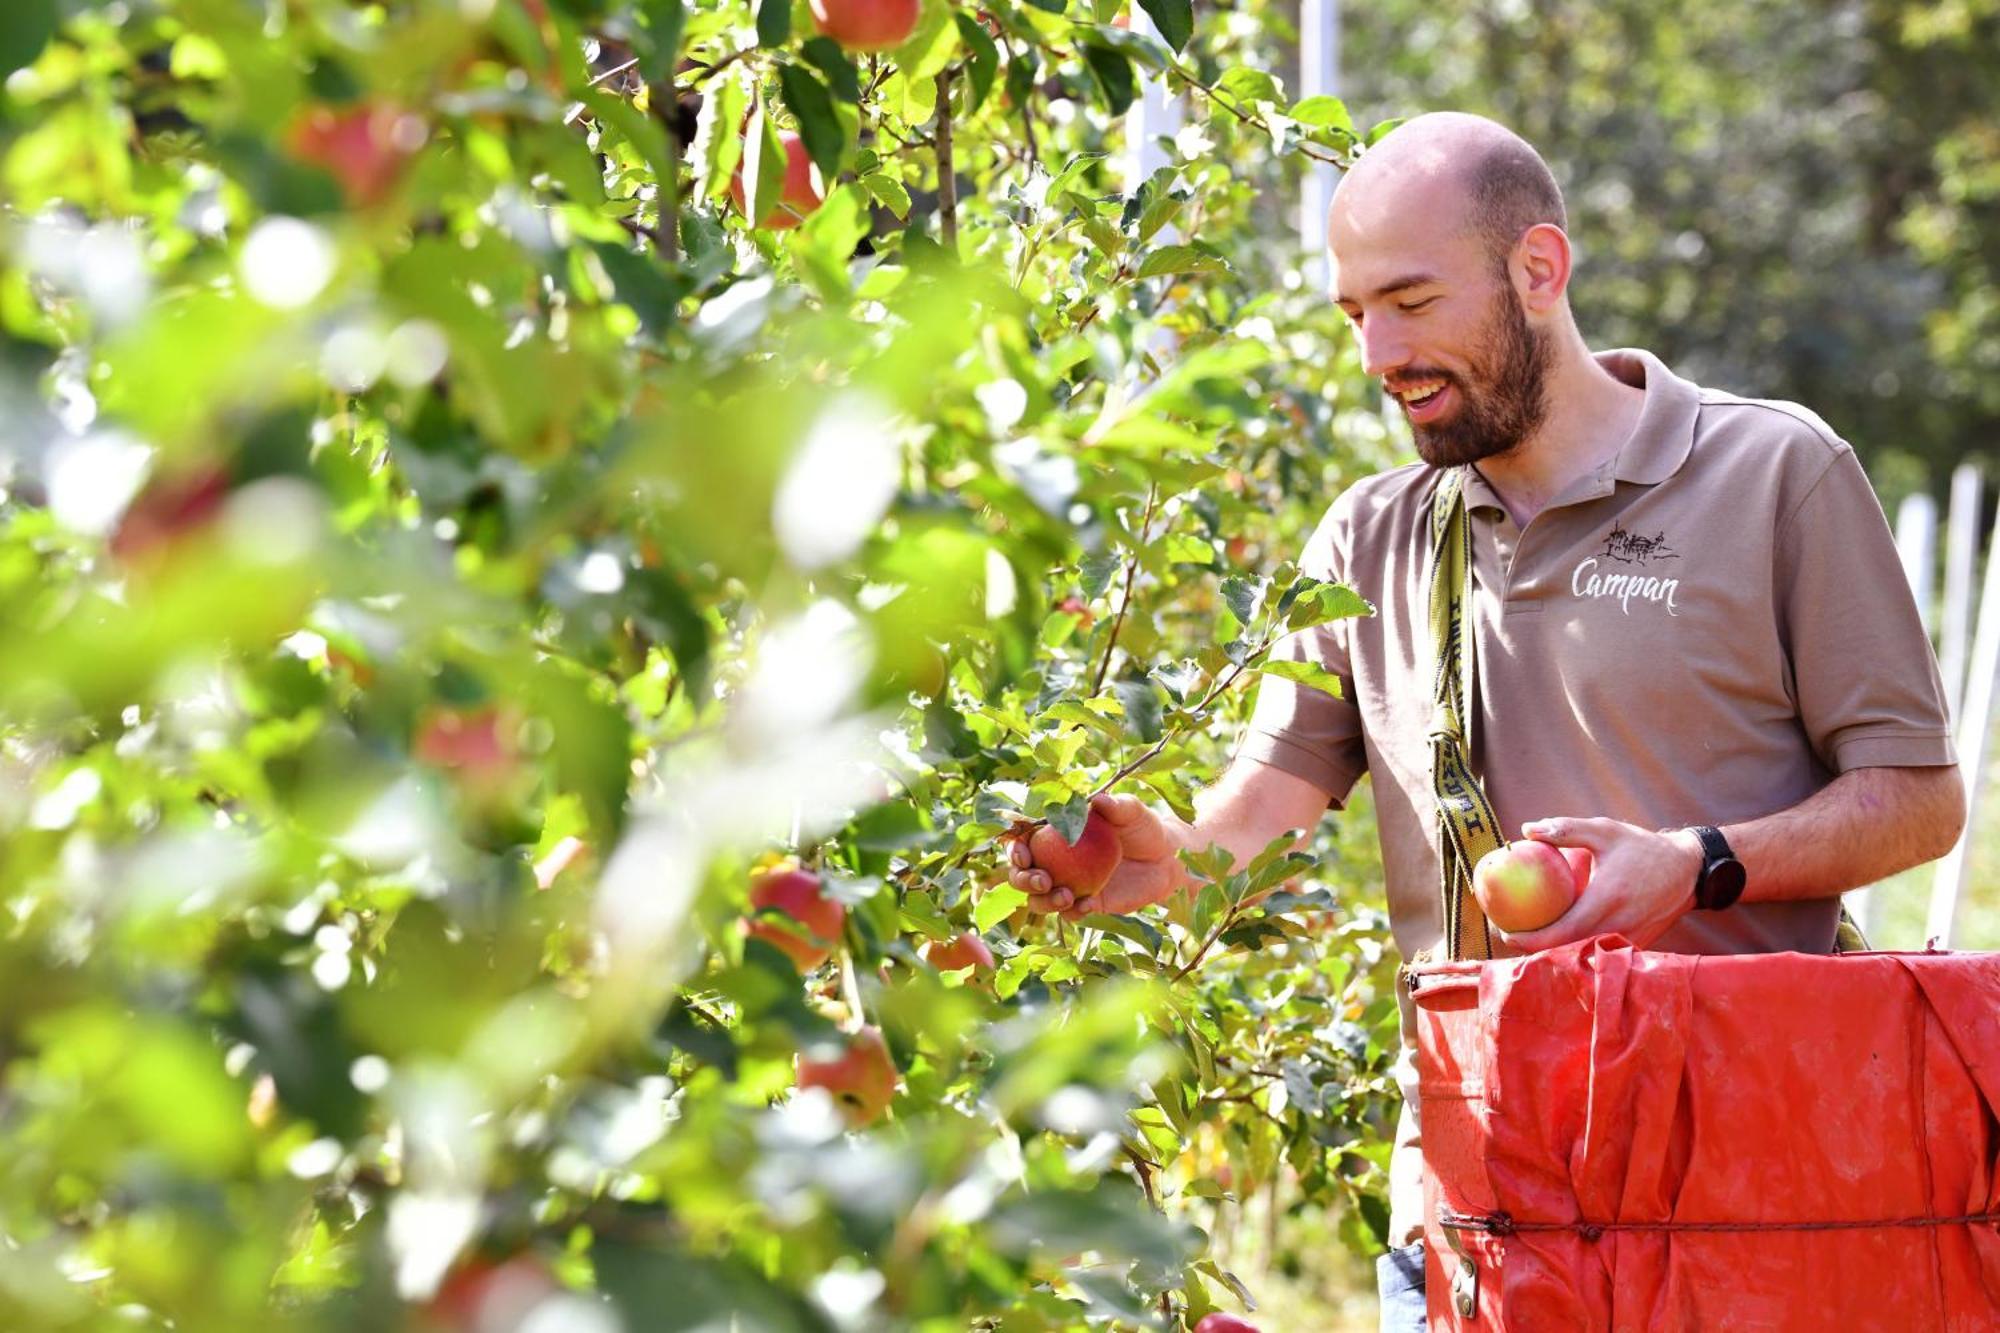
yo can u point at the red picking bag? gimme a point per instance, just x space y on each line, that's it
1623 1140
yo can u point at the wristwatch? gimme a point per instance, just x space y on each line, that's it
1719 882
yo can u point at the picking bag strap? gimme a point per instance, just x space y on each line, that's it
1467 826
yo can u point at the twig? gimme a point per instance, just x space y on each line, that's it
1221 685
613 72
1125 598
947 181
1214 95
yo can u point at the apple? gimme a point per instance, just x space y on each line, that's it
962 951
809 922
1081 868
800 196
1524 885
481 1293
866 25
168 510
1215 1321
1079 608
365 146
859 1074
472 741
1581 863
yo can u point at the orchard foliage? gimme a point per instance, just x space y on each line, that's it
450 559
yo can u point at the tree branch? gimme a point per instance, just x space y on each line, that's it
1125 598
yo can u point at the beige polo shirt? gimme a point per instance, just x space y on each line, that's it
1704 630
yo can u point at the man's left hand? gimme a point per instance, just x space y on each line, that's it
1641 883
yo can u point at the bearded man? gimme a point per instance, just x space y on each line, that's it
1696 654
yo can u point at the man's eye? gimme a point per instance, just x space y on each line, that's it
1414 306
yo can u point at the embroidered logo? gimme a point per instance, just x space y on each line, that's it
1626 548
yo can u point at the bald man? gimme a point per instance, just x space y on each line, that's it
1696 655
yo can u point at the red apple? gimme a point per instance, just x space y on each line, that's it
800 196
1084 867
471 740
792 913
866 25
169 509
962 951
482 1294
365 146
1217 1322
860 1076
1524 885
1079 608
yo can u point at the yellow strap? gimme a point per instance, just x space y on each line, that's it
1467 826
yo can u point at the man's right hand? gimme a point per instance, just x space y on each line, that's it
1149 871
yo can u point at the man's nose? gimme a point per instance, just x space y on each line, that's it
1383 350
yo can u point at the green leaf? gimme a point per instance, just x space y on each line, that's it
1305 673
983 63
763 165
1249 87
1094 575
665 21
774 22
1000 902
718 147
25 30
1323 112
812 106
1318 602
889 192
1243 594
1181 259
1174 19
1186 548
1114 76
837 66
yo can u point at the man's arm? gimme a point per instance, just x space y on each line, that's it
1866 824
1251 804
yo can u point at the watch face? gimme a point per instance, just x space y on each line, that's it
1723 884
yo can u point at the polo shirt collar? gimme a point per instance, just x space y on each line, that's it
1655 449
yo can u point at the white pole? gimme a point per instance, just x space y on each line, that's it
1973 726
1319 75
1961 550
1154 112
1916 542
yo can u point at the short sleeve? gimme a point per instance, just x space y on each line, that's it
1297 728
1867 683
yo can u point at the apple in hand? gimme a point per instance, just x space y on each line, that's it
866 25
1218 1322
1082 867
961 951
807 923
1524 885
859 1075
800 196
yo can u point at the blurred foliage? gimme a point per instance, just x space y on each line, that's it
446 554
1781 200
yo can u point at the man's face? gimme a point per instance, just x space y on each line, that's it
1443 330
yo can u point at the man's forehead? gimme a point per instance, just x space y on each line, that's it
1382 240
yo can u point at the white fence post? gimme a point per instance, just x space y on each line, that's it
1973 725
1155 111
1961 550
1916 542
1319 75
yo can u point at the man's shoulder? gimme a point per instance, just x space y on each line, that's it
1772 423
1399 492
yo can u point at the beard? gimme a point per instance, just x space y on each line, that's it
1503 397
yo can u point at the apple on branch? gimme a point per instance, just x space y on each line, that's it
1216 1321
858 1073
791 911
800 196
1524 885
1081 867
960 952
867 25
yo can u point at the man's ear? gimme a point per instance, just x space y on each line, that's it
1541 267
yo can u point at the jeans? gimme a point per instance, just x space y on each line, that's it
1399 1280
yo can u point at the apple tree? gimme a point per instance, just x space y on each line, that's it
548 545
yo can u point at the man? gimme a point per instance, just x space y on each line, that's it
1686 613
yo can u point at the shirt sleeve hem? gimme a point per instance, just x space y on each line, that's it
1924 749
1288 756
